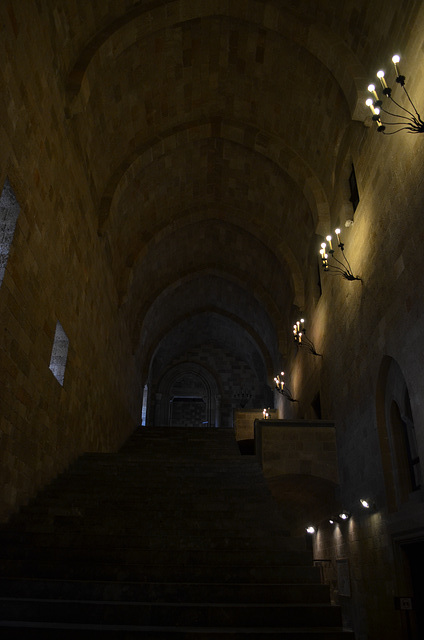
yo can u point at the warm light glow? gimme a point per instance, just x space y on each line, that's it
310 529
365 503
380 74
395 61
371 89
331 521
344 515
323 245
369 102
337 231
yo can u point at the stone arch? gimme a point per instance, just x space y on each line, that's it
285 257
256 141
256 338
322 42
190 380
396 433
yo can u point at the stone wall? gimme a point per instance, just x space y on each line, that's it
297 447
131 176
244 422
57 270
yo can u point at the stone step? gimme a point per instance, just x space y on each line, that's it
100 520
166 591
187 531
198 502
133 572
169 614
174 536
15 631
187 542
139 555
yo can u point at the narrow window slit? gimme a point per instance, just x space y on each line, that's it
59 354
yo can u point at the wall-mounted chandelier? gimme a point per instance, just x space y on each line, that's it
337 267
301 339
243 397
282 388
409 120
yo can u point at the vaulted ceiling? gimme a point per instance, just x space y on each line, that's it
210 132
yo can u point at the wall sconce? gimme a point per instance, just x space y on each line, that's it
300 338
243 397
366 504
281 387
265 413
344 515
412 121
311 530
341 269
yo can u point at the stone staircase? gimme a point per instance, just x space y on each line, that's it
176 536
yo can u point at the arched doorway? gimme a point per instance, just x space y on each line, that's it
188 396
402 479
189 401
396 431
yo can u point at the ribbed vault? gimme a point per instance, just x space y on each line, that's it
210 134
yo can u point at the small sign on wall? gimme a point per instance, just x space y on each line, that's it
343 577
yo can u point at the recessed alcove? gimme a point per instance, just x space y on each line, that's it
9 212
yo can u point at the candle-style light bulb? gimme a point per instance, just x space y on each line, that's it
396 60
337 232
370 104
323 245
380 76
371 89
328 238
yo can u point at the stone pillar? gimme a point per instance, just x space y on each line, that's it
217 410
158 413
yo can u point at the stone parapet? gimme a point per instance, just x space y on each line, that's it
297 447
